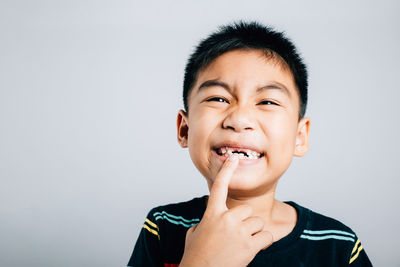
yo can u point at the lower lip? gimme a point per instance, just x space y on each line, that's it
241 161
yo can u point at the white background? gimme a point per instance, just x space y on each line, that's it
89 92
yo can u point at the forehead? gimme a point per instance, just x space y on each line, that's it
247 69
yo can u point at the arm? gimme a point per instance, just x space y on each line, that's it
358 256
147 247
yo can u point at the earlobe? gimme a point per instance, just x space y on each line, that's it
182 128
302 137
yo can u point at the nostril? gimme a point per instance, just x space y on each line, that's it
228 127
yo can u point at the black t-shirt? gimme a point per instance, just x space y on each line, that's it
316 240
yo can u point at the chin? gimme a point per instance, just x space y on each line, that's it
252 184
247 182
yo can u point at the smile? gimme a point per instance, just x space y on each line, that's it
243 153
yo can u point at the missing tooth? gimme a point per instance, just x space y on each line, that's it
240 152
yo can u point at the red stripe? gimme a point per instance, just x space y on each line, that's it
171 265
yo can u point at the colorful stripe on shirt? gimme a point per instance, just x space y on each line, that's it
356 251
317 235
151 227
178 220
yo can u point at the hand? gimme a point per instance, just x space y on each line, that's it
225 237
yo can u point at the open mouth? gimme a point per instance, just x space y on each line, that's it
242 153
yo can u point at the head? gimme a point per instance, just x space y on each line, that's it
245 92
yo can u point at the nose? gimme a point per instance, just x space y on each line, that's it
238 120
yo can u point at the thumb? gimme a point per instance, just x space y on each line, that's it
190 231
265 239
190 235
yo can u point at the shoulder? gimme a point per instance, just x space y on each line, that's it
167 225
330 234
198 202
316 226
177 216
162 238
317 221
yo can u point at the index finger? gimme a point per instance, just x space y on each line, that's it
219 189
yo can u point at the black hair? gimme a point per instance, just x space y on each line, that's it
247 36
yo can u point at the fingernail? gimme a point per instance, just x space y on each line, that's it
233 157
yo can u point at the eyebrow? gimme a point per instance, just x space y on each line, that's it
272 85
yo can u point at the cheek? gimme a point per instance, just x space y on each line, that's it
198 140
194 145
201 127
198 132
282 136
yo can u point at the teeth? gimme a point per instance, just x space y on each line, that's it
250 153
252 156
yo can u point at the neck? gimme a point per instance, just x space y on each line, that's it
263 205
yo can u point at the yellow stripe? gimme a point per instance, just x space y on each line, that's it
151 223
355 246
355 256
154 232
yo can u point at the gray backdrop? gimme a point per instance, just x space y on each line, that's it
89 92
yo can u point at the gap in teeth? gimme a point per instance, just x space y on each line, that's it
245 154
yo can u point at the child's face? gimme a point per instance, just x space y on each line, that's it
244 101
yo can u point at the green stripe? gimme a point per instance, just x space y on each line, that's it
175 222
163 214
321 232
317 238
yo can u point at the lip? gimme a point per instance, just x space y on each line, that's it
241 161
237 145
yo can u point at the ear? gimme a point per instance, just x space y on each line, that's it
182 128
302 137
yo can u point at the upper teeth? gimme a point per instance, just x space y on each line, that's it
250 153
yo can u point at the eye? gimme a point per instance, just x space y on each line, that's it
217 99
268 102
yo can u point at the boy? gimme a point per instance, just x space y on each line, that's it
245 96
